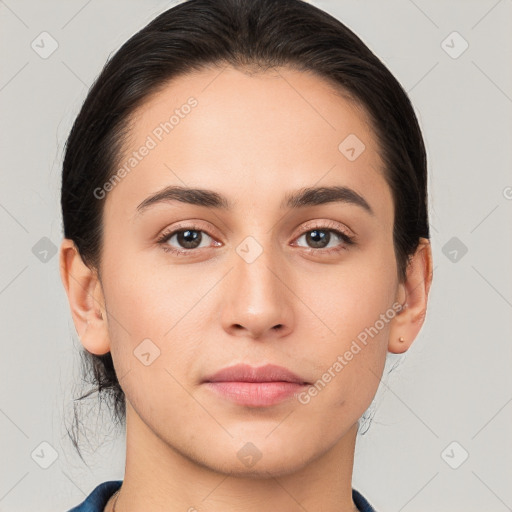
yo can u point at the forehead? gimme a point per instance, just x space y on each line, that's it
253 137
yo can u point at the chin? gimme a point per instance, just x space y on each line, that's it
277 467
259 458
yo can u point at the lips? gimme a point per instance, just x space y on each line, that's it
252 386
246 373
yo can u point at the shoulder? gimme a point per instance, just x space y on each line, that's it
98 498
361 502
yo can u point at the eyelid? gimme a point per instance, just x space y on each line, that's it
324 224
192 224
349 236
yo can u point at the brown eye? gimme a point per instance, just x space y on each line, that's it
184 240
327 239
318 238
188 239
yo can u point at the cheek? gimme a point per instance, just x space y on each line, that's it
147 300
147 321
156 317
349 313
346 299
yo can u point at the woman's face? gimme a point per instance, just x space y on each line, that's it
263 281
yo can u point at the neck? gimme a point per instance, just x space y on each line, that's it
160 478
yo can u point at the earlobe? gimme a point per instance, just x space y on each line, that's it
85 297
408 322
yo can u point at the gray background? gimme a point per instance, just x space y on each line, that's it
454 385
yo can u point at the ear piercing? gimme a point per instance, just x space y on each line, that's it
401 339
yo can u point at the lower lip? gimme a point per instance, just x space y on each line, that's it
256 394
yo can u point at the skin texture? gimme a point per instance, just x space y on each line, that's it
253 138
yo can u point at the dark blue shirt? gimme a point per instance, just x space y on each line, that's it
98 498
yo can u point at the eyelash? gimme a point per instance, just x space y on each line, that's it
347 239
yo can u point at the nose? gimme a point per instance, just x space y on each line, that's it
258 301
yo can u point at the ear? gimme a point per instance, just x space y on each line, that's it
414 294
86 299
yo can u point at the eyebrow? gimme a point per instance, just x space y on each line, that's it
302 198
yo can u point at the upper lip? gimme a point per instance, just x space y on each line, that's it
246 373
